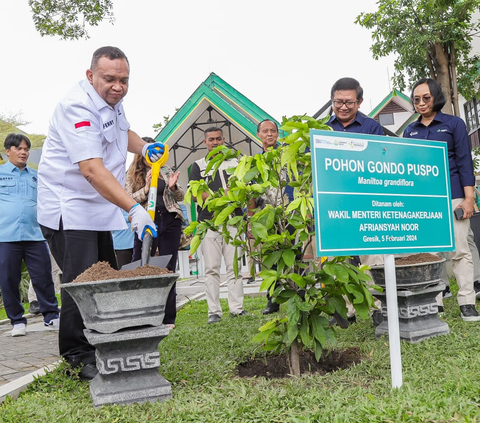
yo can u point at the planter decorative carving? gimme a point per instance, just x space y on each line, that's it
417 287
124 322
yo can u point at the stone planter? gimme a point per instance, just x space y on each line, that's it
411 276
124 322
417 287
110 305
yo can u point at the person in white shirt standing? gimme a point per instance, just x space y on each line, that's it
80 190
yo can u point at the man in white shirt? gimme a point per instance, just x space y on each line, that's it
80 190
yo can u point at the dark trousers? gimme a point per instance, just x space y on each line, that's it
124 257
75 251
37 259
166 242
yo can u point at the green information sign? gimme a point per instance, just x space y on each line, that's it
380 195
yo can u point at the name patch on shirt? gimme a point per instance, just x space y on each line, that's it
6 178
82 124
413 133
107 124
442 130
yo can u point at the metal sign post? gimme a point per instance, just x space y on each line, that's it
393 325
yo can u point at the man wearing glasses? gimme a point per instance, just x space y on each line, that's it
347 96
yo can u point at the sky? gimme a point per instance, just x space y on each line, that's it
282 55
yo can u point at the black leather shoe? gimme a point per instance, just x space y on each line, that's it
338 320
214 318
377 317
88 372
242 313
34 307
271 308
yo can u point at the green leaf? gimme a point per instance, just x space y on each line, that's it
234 220
267 283
292 332
302 305
194 244
318 330
293 313
259 231
305 332
262 336
251 174
223 215
272 345
299 280
290 152
288 257
272 258
235 263
318 350
294 204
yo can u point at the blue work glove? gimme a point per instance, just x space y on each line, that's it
141 221
153 151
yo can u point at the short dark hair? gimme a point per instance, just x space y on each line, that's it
347 84
266 120
212 129
110 52
14 140
148 139
438 95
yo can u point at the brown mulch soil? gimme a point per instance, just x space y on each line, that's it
417 258
102 271
273 367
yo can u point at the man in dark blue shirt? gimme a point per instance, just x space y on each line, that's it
347 96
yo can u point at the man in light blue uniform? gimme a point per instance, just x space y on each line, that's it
22 239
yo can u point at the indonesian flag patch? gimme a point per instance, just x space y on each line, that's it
79 125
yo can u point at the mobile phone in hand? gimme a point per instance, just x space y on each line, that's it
458 213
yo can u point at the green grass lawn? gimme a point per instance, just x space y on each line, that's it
441 380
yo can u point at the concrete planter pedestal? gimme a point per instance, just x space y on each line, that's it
124 322
417 287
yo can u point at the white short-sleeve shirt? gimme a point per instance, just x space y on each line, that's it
83 127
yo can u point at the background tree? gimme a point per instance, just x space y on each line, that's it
9 123
310 294
69 18
430 38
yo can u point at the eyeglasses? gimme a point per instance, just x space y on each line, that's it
349 104
425 99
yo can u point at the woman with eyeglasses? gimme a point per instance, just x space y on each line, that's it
428 100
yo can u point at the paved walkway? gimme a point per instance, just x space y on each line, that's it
24 357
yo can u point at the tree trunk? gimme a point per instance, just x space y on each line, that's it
453 78
295 359
443 75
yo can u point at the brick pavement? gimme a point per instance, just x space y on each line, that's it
22 355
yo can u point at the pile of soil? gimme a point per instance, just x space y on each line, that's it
417 258
277 366
102 271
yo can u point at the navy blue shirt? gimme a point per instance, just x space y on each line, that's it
360 125
452 130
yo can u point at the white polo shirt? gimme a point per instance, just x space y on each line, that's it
83 127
